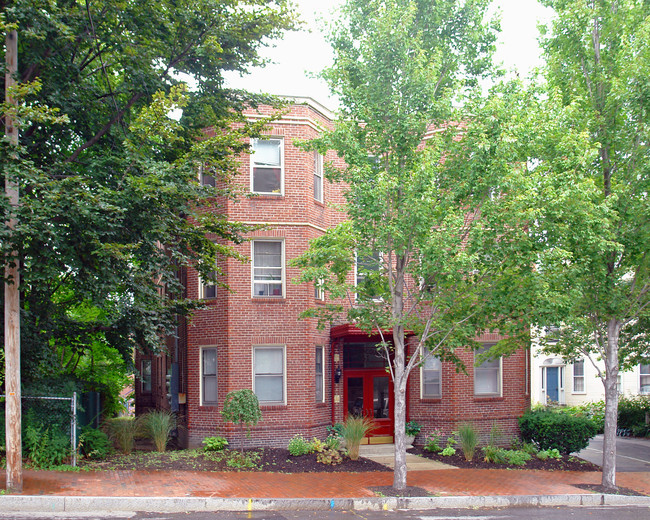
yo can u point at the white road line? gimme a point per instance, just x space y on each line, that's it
619 455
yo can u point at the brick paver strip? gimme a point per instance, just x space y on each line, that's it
313 485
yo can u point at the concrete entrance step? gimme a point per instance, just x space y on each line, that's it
385 454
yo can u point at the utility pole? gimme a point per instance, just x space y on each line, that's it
13 418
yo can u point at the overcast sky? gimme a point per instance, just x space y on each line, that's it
302 54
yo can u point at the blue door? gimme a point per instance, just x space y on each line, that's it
552 384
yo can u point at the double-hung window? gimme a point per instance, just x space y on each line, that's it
319 291
268 380
320 375
205 176
268 268
209 375
644 378
579 376
145 376
487 375
208 289
431 378
318 177
267 166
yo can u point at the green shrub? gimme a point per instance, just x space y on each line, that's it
93 443
336 430
412 428
215 443
516 457
46 447
354 430
333 442
329 456
122 432
298 445
448 451
468 440
594 411
631 413
549 429
157 425
494 454
548 454
243 408
432 442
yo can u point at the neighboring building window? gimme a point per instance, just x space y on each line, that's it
644 379
205 177
579 377
145 375
320 375
209 375
207 291
431 377
487 375
268 363
319 292
318 177
267 166
268 268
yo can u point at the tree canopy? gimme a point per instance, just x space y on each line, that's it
110 203
592 168
429 226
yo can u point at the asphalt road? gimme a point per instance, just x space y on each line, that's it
514 513
632 454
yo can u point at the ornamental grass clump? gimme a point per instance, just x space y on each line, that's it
158 425
354 430
122 432
468 440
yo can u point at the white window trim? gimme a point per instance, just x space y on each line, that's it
499 392
322 376
142 376
203 172
356 273
252 165
643 391
202 286
319 292
318 172
283 267
574 376
422 394
201 376
284 374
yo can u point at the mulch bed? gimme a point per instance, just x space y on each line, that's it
566 463
597 488
409 491
271 459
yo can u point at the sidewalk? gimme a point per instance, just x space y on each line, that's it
236 491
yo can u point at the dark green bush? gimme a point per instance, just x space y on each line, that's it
548 429
594 411
94 444
631 413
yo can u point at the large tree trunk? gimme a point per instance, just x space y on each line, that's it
611 405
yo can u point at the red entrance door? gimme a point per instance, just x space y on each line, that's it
370 393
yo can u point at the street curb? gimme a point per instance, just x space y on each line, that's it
79 504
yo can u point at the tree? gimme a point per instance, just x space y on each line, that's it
243 408
110 201
426 221
593 183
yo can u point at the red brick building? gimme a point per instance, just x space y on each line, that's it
251 337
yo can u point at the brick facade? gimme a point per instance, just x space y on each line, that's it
236 321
